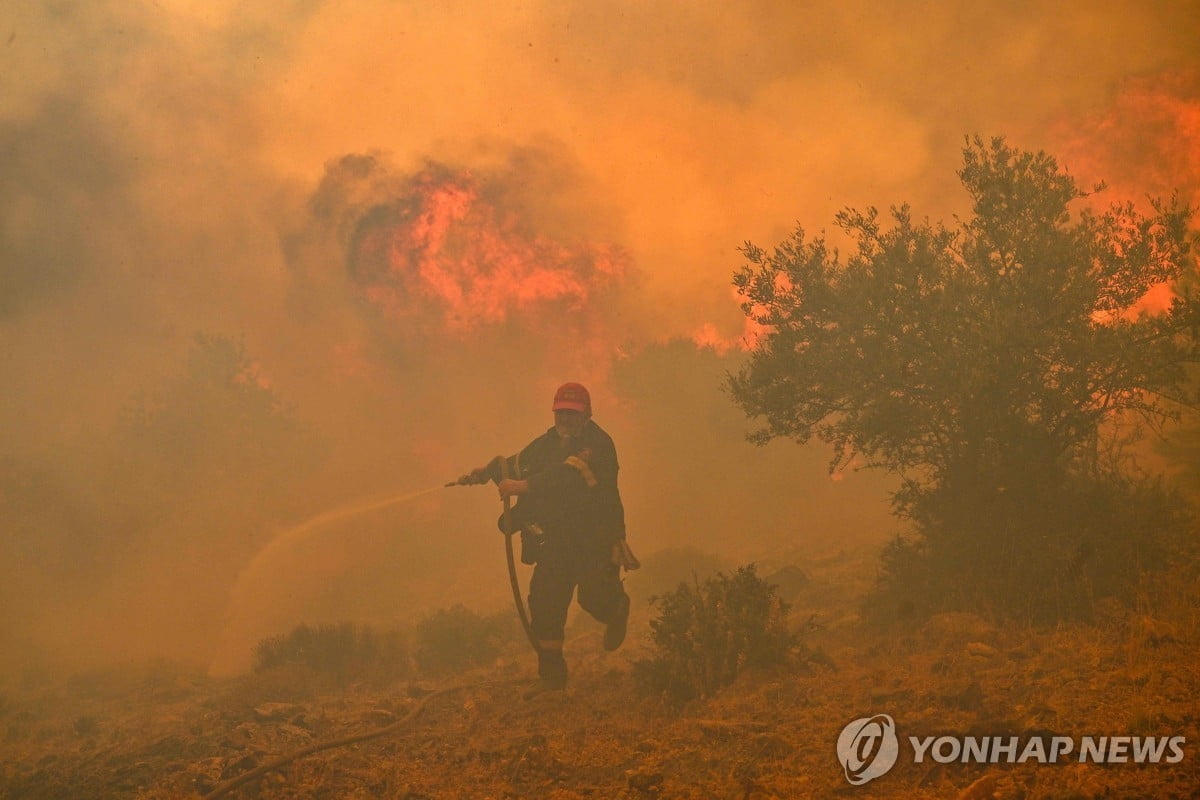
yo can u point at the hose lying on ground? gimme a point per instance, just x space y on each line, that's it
282 761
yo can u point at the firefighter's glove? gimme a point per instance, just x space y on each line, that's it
480 475
622 556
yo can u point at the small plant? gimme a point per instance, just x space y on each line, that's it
456 638
707 632
343 651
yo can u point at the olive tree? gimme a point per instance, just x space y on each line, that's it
990 364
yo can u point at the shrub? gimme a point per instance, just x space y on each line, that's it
707 632
343 651
456 638
1088 539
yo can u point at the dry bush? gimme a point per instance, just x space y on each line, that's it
457 638
344 652
1039 555
709 631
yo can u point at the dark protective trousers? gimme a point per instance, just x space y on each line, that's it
554 581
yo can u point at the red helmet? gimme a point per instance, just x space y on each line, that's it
573 396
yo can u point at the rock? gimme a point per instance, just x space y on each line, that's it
296 732
645 781
980 650
276 712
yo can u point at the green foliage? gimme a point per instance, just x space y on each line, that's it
456 638
709 631
985 365
344 652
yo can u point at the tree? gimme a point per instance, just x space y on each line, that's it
985 364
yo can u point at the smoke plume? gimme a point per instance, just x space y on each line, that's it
260 264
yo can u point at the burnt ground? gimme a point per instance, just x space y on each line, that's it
162 731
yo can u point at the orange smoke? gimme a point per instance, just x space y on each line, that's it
442 247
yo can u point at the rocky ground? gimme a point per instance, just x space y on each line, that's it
162 731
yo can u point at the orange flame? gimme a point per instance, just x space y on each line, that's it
1145 143
443 247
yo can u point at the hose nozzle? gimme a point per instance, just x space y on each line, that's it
470 479
481 475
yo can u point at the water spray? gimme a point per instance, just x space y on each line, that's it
497 469
299 532
252 574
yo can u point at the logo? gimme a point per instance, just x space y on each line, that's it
868 748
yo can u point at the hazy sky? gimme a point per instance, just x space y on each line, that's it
245 171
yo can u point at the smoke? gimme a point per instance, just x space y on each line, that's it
398 226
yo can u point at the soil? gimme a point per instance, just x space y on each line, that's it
162 731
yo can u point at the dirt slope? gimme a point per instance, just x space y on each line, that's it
160 731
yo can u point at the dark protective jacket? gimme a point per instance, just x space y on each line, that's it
573 496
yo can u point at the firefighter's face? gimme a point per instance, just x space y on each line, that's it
569 423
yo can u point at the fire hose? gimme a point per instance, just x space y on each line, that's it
471 479
622 555
282 761
474 478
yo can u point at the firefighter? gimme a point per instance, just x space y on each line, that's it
572 527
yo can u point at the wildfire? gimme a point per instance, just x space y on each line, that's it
1145 143
708 337
441 245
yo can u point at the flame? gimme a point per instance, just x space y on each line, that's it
708 337
442 247
1145 143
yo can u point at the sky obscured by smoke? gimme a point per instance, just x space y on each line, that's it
252 173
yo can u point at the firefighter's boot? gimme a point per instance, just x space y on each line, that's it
552 670
614 631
